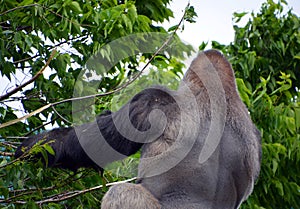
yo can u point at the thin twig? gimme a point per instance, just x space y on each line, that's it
22 192
10 154
15 90
59 115
25 59
63 17
71 194
55 46
124 85
10 144
20 7
40 126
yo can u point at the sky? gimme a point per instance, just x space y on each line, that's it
214 21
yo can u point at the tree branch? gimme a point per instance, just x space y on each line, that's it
23 192
20 7
9 123
25 59
15 90
10 154
10 144
71 194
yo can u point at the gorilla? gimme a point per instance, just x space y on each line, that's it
199 147
208 156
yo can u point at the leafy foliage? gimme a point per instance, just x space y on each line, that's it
265 56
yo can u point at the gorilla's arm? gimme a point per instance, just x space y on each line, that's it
69 143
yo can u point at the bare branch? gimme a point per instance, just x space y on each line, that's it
62 117
22 192
10 154
25 59
11 144
9 123
71 194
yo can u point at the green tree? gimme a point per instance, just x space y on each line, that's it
266 57
30 31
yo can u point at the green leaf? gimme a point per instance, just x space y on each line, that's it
127 22
132 13
49 149
297 118
190 14
18 38
26 2
173 28
238 16
243 91
297 57
203 46
279 187
28 41
75 6
3 162
7 32
275 166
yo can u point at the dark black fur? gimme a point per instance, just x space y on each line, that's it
69 153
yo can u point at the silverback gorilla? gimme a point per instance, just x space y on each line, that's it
213 137
200 148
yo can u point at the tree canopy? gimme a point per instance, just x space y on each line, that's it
265 55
